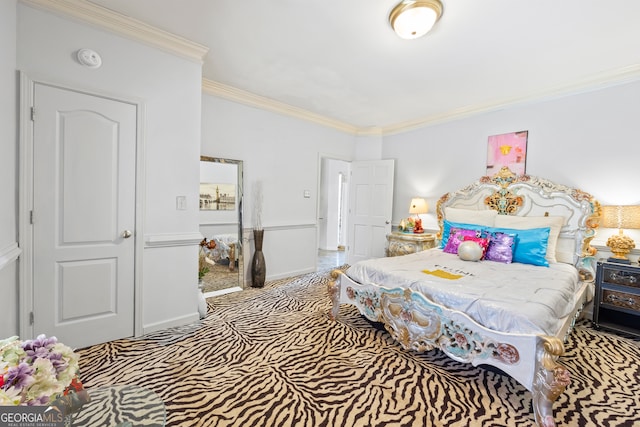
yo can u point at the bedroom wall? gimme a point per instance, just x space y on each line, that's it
283 154
9 250
586 140
169 87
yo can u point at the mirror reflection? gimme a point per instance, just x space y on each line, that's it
221 260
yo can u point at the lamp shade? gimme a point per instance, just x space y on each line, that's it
621 217
411 19
418 206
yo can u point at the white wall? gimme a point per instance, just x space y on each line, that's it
588 141
282 152
582 140
8 171
169 87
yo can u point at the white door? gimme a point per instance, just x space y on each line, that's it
84 157
371 206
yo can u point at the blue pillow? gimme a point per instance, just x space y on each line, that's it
446 230
530 246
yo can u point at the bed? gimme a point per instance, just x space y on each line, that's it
512 311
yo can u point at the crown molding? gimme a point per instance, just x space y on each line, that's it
594 82
231 93
125 26
134 29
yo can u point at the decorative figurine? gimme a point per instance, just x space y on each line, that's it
417 226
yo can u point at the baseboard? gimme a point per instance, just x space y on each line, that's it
222 292
291 274
176 321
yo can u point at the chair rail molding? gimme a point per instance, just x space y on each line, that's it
9 254
172 239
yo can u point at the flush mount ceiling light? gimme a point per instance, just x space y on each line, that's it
411 19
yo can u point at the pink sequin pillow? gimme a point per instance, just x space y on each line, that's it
459 235
500 247
483 242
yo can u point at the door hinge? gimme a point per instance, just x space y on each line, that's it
31 217
31 318
33 113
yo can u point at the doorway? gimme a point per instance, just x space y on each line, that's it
78 215
333 212
221 264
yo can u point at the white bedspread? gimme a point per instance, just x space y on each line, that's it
514 298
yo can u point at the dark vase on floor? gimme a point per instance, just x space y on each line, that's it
258 267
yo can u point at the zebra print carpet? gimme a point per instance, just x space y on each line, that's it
271 357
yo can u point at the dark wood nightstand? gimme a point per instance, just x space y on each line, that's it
617 299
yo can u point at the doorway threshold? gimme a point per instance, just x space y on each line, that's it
222 292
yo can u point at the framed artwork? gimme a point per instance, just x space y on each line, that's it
510 150
217 197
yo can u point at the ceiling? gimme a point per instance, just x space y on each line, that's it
340 59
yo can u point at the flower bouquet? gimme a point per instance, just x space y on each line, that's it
40 372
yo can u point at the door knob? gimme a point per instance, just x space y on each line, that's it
126 234
386 222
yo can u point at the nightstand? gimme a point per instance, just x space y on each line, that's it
409 243
617 299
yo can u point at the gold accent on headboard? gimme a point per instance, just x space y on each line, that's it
503 200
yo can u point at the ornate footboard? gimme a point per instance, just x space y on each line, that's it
420 325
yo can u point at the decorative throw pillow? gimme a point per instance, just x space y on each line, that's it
446 230
470 251
555 223
530 246
459 235
483 242
500 247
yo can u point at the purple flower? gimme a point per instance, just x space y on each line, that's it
39 347
39 401
57 361
19 376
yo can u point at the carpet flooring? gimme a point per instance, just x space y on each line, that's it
271 357
219 277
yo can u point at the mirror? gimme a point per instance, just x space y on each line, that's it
221 224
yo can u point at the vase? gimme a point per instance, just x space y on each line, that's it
258 267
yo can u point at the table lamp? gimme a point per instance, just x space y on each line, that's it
620 217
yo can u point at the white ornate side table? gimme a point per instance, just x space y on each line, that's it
409 243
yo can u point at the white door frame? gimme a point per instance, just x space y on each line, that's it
25 203
319 191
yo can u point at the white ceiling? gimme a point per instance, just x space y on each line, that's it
341 60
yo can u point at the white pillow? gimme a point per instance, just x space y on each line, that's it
471 216
555 223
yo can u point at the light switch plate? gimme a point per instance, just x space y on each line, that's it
181 203
307 194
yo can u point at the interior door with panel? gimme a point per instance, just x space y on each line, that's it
84 160
371 206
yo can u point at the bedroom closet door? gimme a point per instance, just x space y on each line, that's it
370 209
84 161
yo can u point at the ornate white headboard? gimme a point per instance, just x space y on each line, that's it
526 195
